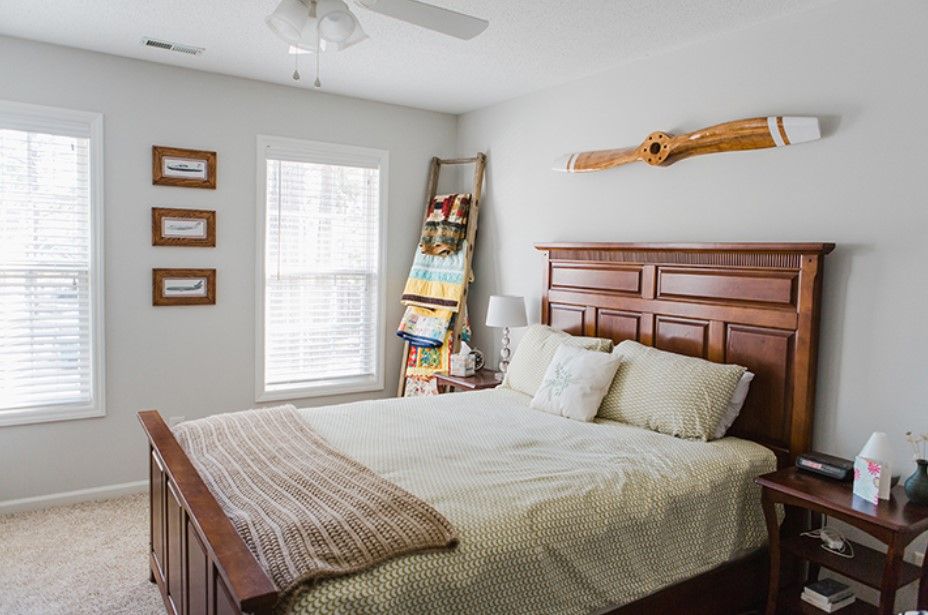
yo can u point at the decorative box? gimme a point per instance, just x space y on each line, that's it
463 365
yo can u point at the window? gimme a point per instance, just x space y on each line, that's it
51 283
321 220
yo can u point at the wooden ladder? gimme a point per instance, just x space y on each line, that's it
479 161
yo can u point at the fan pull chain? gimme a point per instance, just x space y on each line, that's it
296 66
318 83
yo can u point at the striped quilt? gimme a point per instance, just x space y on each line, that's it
436 281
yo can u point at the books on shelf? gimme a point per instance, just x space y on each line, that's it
828 607
828 595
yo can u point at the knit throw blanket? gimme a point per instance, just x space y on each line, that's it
305 510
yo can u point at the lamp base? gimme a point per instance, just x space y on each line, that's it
504 352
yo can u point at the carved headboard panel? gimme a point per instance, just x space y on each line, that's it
756 305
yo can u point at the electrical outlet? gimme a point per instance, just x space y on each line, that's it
174 421
915 557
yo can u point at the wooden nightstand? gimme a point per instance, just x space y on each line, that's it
895 522
484 379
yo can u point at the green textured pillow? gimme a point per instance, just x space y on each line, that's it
535 351
669 393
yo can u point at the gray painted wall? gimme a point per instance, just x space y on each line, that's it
859 65
190 361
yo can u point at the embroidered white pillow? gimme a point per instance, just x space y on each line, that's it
534 353
575 382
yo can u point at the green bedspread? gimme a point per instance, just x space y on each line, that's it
554 515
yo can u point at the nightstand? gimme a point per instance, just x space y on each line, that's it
895 522
484 379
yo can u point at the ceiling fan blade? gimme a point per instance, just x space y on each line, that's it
585 162
662 149
425 15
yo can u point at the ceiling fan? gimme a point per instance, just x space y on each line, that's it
660 149
317 26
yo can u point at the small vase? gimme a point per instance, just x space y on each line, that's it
916 486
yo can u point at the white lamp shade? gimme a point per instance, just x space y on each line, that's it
337 24
506 311
289 20
878 448
334 25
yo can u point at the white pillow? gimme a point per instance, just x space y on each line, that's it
534 353
734 405
575 382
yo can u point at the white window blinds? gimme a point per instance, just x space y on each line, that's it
50 320
322 328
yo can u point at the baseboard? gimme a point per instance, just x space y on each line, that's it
72 497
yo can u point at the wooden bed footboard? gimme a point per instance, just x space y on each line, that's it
197 559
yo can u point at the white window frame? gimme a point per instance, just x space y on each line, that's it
321 153
55 120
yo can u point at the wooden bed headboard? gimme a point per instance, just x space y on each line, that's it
756 305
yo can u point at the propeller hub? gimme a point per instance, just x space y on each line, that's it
655 148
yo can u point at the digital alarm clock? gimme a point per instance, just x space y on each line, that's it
829 466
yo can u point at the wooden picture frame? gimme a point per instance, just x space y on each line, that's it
186 168
183 287
192 228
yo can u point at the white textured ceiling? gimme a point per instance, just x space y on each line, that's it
530 44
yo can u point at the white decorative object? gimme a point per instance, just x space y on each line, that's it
878 449
576 382
506 311
868 475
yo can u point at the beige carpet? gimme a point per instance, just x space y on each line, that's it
80 559
85 558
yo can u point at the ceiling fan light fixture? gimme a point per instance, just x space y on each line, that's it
289 20
336 22
337 26
330 26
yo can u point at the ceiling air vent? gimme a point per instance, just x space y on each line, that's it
169 46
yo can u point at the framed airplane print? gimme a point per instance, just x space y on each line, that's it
187 168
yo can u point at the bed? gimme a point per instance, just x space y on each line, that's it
752 304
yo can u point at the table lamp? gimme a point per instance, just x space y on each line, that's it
506 311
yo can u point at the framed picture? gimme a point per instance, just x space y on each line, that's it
183 227
183 286
187 168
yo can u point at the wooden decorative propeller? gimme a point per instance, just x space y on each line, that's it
661 149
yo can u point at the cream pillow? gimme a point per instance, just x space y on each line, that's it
575 382
669 393
535 351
